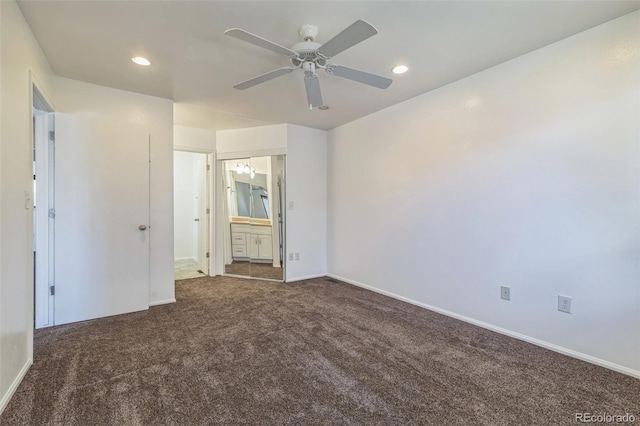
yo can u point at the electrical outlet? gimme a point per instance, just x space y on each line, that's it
290 256
505 292
297 255
564 303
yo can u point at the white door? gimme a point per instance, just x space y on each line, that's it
102 199
203 217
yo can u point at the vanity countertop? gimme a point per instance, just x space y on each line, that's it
249 221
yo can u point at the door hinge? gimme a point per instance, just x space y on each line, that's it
207 255
52 290
208 167
52 213
208 210
52 135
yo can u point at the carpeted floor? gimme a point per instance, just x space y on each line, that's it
235 351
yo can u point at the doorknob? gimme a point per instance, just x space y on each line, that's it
142 227
196 220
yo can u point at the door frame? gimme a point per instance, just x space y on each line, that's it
211 196
42 242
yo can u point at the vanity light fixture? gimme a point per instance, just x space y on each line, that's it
141 61
246 169
400 69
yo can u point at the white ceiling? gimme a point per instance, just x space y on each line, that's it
196 65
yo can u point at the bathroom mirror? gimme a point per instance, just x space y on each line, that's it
254 217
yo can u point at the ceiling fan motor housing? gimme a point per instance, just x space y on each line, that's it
307 51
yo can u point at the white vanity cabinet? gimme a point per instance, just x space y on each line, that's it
239 244
251 242
261 247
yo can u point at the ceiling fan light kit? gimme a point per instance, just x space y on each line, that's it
309 56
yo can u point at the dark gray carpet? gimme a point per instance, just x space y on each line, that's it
235 351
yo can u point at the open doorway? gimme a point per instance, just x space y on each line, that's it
43 206
191 214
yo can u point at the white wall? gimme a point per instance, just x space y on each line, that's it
306 187
526 175
19 54
157 115
185 207
251 142
194 139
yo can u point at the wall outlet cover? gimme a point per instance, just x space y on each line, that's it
564 303
505 292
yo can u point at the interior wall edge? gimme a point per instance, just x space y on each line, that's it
196 150
538 342
162 302
14 385
21 54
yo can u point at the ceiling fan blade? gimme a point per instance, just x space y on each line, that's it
350 36
259 41
312 84
262 78
359 76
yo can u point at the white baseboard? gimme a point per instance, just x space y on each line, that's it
185 258
551 346
308 277
14 385
162 302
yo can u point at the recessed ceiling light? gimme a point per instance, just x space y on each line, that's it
141 61
323 107
400 69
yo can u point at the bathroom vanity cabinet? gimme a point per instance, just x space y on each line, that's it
251 242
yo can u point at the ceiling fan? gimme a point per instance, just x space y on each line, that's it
309 56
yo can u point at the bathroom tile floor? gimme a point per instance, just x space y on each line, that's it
186 268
